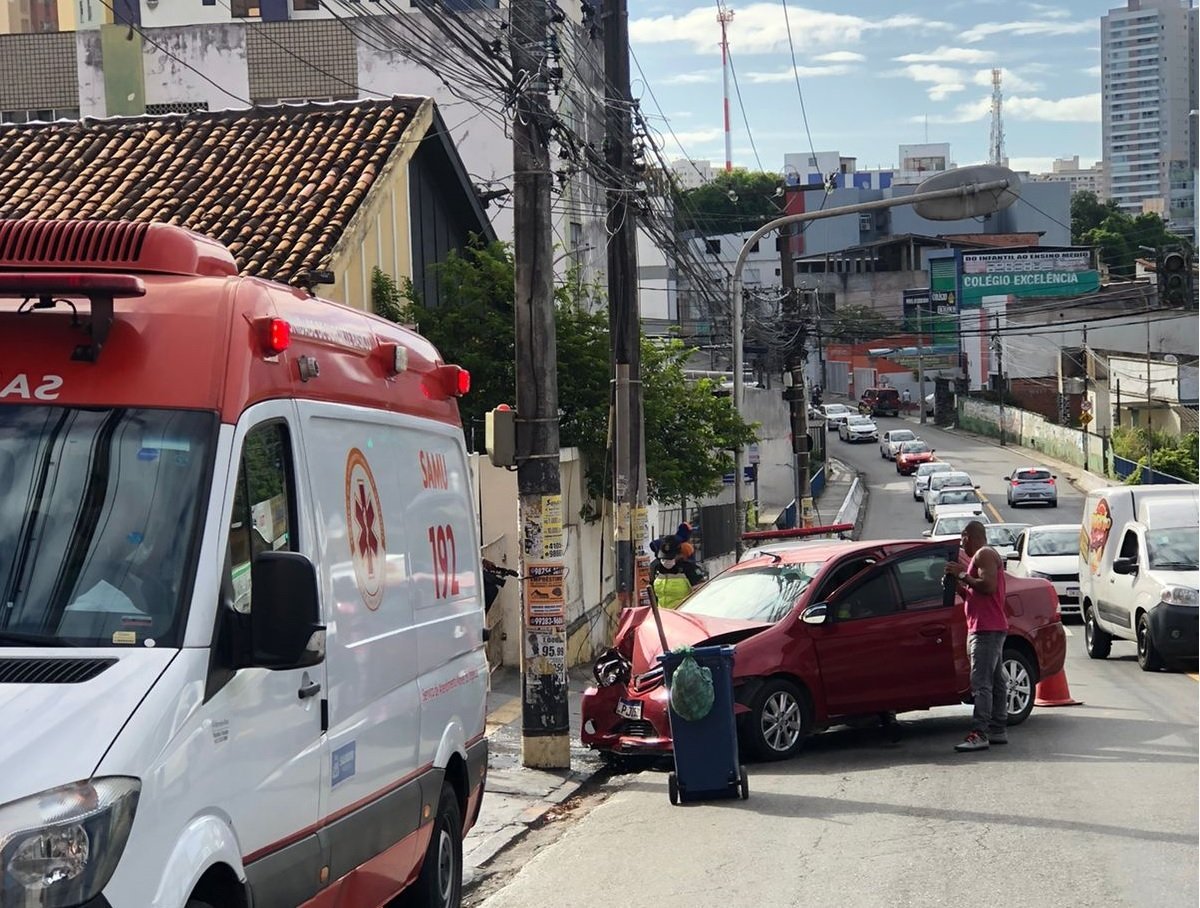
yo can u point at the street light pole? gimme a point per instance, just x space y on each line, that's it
968 192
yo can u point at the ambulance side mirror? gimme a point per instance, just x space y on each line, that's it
285 613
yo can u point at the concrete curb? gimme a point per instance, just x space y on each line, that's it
854 505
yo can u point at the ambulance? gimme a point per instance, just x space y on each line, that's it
241 624
1138 572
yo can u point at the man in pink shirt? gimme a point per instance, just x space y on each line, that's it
983 588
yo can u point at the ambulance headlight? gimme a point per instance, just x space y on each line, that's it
1180 595
60 847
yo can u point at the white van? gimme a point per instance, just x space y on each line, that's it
1138 575
241 642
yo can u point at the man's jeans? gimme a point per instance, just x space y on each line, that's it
986 650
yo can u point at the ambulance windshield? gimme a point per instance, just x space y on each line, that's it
100 514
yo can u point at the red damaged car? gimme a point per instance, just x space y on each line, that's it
911 455
822 633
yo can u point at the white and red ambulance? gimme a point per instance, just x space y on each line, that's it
241 618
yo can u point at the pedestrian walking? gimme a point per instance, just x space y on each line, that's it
983 586
671 575
906 399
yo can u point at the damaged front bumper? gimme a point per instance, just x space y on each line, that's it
628 718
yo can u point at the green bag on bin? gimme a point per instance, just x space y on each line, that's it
692 693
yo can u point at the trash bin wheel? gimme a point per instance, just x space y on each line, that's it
673 788
744 784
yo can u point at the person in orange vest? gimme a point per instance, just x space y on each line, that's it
672 577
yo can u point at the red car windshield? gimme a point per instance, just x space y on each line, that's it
914 447
754 594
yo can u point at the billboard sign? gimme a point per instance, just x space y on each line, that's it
1062 272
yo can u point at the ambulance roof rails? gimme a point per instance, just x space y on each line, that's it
111 246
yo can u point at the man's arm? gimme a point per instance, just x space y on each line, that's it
988 569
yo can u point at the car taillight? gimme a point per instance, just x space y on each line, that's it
1050 480
1016 482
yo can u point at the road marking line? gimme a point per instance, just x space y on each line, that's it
991 508
502 715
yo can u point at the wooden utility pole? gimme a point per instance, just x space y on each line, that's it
629 487
545 742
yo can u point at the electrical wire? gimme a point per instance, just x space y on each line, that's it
737 88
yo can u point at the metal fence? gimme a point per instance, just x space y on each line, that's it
1123 468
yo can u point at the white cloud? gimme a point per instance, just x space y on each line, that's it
1049 12
804 72
949 55
1092 71
945 80
1079 109
841 56
697 78
1009 81
1028 28
760 28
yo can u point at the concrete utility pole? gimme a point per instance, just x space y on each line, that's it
999 344
796 395
921 364
545 741
629 459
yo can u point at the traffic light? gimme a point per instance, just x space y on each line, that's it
1175 281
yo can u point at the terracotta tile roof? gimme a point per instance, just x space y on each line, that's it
277 185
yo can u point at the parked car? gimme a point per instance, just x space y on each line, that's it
835 414
1052 553
911 455
955 479
1003 536
951 526
822 635
923 474
880 402
1028 485
1138 573
892 439
955 501
858 428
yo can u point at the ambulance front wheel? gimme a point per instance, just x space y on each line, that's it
673 788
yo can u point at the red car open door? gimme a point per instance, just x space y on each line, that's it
888 643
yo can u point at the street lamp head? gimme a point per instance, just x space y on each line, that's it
968 202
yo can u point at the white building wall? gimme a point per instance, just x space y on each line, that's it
92 102
172 73
174 13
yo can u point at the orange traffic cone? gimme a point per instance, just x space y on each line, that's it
1053 691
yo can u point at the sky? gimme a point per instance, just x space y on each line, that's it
874 74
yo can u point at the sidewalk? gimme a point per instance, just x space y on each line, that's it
517 798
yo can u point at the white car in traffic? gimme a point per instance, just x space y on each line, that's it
858 428
952 525
924 472
955 501
1050 552
893 439
836 414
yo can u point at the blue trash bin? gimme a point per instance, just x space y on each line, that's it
706 751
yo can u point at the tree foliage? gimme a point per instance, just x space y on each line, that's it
735 202
690 431
1174 455
859 324
1117 233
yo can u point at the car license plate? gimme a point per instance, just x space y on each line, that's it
1073 592
629 709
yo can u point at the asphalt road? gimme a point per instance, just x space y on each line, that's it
1088 805
892 510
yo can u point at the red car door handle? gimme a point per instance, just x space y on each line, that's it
933 630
